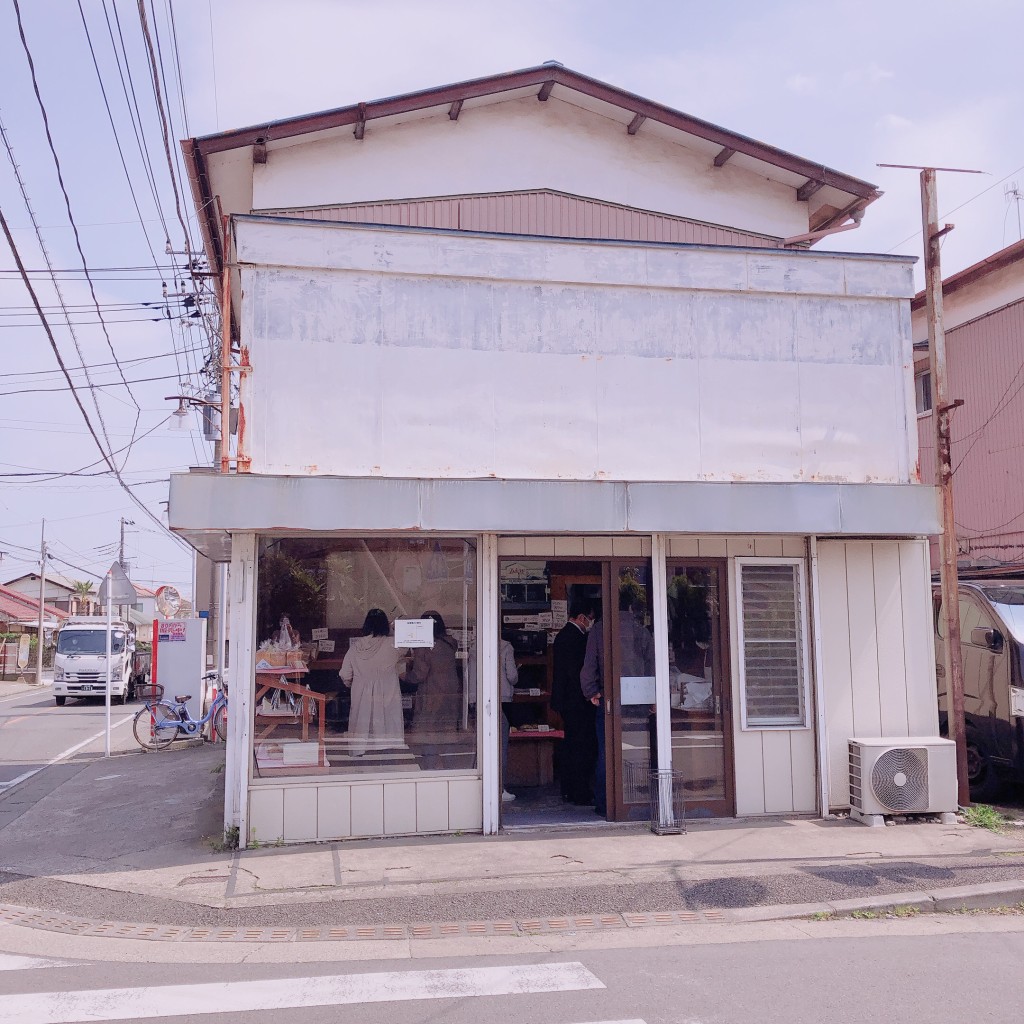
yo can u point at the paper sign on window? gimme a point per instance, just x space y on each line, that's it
320 634
637 689
414 632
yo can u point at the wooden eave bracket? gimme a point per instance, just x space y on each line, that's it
360 129
634 125
259 151
454 110
807 189
724 154
545 91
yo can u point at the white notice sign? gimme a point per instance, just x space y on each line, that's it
636 689
320 634
414 633
327 646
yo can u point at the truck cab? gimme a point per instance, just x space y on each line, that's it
80 663
992 651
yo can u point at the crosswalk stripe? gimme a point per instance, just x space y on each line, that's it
289 993
13 962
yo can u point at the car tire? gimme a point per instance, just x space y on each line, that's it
982 777
60 701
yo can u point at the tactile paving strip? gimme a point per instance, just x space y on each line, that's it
68 925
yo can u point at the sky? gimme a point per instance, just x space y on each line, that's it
912 82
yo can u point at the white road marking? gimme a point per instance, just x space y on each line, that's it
288 993
4 786
106 778
12 962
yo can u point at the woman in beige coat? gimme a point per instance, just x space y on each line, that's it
371 669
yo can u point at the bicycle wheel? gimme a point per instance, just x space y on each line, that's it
220 723
156 726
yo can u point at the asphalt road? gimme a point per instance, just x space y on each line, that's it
895 974
35 732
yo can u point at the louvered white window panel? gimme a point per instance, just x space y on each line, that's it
773 646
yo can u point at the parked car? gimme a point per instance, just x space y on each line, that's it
992 649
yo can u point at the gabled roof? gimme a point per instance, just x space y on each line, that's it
51 577
15 607
805 176
997 261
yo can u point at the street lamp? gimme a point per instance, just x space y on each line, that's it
180 415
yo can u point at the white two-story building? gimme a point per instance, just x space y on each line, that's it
525 343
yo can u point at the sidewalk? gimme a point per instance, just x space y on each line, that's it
15 687
119 850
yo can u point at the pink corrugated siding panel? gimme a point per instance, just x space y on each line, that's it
986 369
537 213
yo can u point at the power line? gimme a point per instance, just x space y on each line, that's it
64 191
96 387
53 344
91 366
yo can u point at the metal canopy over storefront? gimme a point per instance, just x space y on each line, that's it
205 508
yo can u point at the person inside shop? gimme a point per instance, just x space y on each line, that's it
371 668
435 673
637 659
579 747
508 676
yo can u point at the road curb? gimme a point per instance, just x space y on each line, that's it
985 896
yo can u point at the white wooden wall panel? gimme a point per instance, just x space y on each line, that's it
778 771
804 756
877 648
919 651
860 581
300 813
891 632
836 665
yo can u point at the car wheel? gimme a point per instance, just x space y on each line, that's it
60 701
982 778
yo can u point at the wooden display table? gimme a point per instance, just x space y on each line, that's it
531 756
268 679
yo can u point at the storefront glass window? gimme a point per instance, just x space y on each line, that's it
365 656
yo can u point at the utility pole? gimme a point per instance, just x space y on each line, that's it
944 474
941 409
120 557
42 606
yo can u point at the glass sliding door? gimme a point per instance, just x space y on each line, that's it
699 685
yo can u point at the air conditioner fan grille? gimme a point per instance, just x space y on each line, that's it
899 779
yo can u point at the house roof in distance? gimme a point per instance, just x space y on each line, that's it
847 194
51 577
976 271
15 607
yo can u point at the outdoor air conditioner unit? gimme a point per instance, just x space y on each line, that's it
908 775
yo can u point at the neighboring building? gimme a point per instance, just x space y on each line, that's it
530 339
20 614
983 316
60 592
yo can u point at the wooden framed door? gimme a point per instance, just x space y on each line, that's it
699 691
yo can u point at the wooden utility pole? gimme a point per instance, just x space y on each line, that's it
941 408
953 663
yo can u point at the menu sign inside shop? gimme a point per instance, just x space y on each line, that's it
414 633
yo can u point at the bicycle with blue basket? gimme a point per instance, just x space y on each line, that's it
160 722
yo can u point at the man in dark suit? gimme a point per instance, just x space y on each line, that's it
579 748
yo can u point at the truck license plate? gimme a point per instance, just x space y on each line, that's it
87 686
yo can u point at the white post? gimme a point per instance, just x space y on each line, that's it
662 694
488 694
240 602
42 606
824 795
110 609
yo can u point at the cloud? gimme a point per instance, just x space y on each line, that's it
803 85
871 74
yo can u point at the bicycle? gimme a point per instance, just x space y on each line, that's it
160 722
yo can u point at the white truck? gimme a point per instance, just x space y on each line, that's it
80 661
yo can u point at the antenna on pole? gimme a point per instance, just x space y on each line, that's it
1013 194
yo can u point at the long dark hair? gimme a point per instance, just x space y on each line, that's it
440 630
376 623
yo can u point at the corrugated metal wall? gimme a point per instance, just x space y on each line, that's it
986 369
541 212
